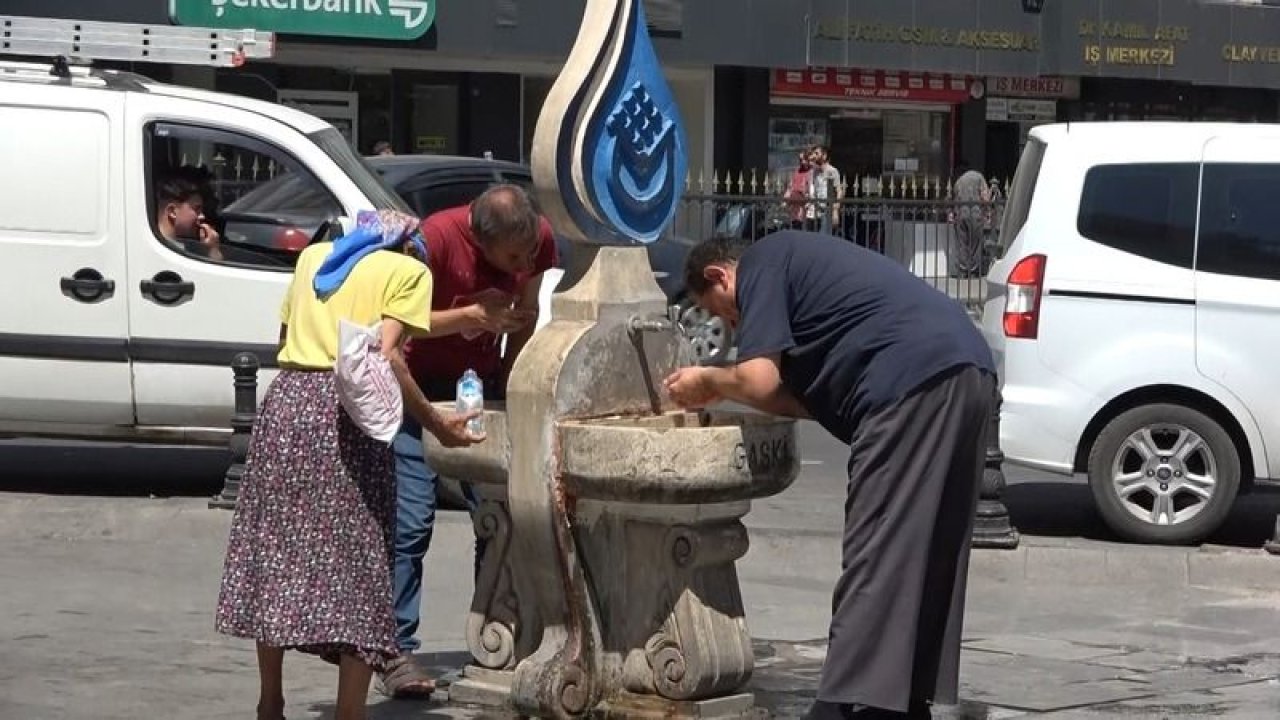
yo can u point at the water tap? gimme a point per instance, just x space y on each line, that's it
638 324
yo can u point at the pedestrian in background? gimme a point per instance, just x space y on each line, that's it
827 191
971 198
798 191
309 558
892 367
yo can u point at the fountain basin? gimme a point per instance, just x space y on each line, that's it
678 458
485 463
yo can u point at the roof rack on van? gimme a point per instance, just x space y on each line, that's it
88 41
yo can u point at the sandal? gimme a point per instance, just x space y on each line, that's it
403 679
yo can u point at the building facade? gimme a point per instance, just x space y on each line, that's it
471 83
896 88
913 88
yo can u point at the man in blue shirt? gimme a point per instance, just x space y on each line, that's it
831 331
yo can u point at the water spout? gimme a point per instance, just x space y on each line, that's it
640 324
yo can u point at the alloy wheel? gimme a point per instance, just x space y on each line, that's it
705 333
1164 474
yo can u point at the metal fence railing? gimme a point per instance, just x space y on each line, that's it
947 243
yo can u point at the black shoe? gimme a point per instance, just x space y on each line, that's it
822 710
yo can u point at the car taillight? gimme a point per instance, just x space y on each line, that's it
1022 300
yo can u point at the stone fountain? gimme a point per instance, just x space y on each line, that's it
614 521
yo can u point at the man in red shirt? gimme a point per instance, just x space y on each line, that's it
486 261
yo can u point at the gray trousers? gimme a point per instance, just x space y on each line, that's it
966 254
914 474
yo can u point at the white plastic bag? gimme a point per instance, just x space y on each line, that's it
366 383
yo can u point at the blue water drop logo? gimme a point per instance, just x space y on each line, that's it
621 150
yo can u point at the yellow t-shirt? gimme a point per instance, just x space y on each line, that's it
382 284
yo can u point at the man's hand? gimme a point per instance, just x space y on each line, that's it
209 239
452 430
494 313
688 388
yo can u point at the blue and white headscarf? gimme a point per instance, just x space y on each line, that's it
375 230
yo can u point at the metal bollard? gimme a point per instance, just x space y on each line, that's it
991 527
245 369
1272 546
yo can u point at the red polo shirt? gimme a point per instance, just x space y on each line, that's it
459 271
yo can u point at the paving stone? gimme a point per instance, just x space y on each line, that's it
1028 683
1141 661
1152 566
1066 565
1184 679
999 565
1253 701
1240 569
1037 646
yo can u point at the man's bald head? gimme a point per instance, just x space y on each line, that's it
504 213
506 225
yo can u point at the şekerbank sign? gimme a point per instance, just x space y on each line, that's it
378 19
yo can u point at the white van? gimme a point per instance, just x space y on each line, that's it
106 329
1136 317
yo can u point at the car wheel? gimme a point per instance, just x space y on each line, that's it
707 334
1164 474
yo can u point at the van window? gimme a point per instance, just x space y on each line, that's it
264 205
370 183
1240 221
56 188
1018 205
1145 209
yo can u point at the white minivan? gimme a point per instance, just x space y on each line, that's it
106 329
1135 317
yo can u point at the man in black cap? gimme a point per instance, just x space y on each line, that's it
897 370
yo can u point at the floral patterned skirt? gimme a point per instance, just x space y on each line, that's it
309 559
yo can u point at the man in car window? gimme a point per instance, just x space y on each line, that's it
487 260
180 219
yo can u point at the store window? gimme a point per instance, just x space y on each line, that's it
913 144
435 119
229 198
1240 221
790 136
866 144
1148 210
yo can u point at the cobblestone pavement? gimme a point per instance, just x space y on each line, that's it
107 615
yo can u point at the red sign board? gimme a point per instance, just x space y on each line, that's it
882 85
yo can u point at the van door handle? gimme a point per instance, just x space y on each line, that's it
168 288
87 286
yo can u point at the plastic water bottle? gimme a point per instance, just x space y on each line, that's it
471 397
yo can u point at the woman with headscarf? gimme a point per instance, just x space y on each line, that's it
309 558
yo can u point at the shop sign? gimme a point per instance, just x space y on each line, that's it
861 31
375 19
1127 43
1067 88
431 143
1021 110
871 85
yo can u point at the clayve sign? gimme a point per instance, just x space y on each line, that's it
375 19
